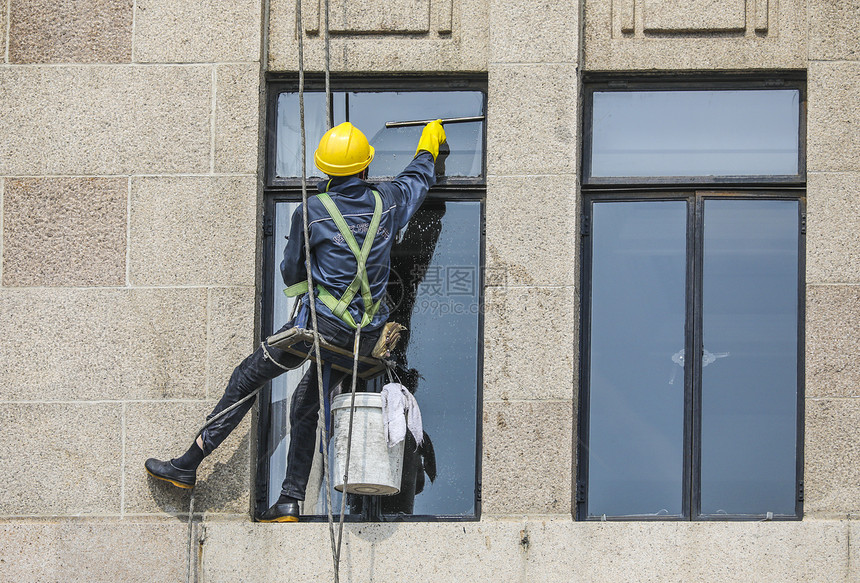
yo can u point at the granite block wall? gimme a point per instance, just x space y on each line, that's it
128 206
833 270
130 150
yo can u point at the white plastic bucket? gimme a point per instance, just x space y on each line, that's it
374 468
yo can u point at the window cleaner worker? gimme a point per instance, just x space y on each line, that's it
380 211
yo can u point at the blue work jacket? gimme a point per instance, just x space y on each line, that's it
332 262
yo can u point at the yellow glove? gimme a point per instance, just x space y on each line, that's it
431 137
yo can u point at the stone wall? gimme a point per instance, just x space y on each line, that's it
129 147
128 175
833 261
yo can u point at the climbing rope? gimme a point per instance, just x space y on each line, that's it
336 547
329 120
348 445
311 299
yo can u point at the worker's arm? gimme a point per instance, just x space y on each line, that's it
293 268
417 178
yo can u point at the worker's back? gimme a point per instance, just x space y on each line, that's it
333 263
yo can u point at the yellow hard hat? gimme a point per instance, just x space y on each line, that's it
343 151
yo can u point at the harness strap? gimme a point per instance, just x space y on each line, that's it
339 307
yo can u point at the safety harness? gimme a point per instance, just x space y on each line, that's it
339 307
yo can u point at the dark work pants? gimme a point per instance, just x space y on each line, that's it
259 369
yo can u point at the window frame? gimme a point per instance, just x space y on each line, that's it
315 83
695 191
275 190
690 82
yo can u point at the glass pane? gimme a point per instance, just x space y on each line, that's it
435 293
284 385
395 147
288 137
438 259
749 377
695 133
636 375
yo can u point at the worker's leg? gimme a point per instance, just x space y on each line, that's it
304 416
304 410
252 373
256 370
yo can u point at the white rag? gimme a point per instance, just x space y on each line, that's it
399 411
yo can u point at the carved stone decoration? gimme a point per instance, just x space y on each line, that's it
695 15
761 8
627 11
691 17
392 17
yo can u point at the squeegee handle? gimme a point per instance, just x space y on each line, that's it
421 122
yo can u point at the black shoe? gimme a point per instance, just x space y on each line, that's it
166 471
288 512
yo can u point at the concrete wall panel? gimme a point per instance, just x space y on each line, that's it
833 27
64 231
92 552
529 551
833 117
165 430
854 551
688 551
832 341
833 221
832 473
527 462
533 31
694 15
97 344
530 339
2 196
395 16
531 230
694 35
371 552
193 230
84 31
531 124
231 333
237 111
85 120
456 43
197 31
60 459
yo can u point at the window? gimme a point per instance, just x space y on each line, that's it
695 133
369 110
435 290
694 248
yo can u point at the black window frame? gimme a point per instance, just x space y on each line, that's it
694 190
601 82
277 190
315 83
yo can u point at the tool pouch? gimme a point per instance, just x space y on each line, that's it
387 340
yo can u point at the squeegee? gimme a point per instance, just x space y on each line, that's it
421 122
